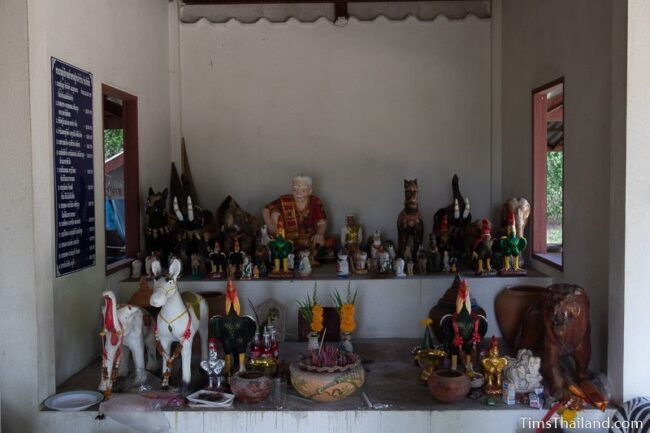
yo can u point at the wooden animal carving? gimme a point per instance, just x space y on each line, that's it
559 325
520 208
127 329
179 319
410 226
158 232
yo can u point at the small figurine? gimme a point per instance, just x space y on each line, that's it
247 268
136 268
303 215
148 261
179 319
446 266
493 365
280 249
512 246
463 329
304 268
218 261
198 266
234 331
256 272
422 261
482 250
523 371
410 226
385 265
361 262
390 247
434 261
399 267
263 238
236 258
291 260
342 266
351 235
375 245
213 366
410 268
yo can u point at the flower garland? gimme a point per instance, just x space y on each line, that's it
316 324
346 310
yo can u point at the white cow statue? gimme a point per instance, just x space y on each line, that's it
127 329
179 319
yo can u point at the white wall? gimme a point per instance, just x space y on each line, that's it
359 107
544 40
18 343
637 206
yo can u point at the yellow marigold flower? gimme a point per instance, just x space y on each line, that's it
317 318
347 318
426 322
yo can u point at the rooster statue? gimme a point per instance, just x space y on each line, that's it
512 246
463 329
233 330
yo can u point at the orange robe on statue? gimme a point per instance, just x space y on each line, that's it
299 226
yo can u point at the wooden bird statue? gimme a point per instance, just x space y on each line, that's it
463 329
235 332
511 245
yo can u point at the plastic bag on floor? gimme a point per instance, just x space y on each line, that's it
141 381
139 413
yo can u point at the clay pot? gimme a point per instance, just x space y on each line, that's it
250 386
447 305
326 386
510 306
448 386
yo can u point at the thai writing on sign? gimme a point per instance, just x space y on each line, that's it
74 189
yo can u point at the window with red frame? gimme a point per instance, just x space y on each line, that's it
548 173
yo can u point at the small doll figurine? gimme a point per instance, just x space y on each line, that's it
351 235
410 268
292 261
304 267
247 268
236 258
218 261
399 267
264 237
385 262
256 272
361 262
342 266
446 266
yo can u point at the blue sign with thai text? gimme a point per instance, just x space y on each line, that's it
74 189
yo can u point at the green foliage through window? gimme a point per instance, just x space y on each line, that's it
113 142
554 194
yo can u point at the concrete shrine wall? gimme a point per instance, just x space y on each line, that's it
358 107
543 41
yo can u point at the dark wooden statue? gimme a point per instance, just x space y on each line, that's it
158 233
450 223
237 224
558 326
410 226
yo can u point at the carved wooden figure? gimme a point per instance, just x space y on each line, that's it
410 227
565 330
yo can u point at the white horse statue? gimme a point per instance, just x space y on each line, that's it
179 319
127 329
